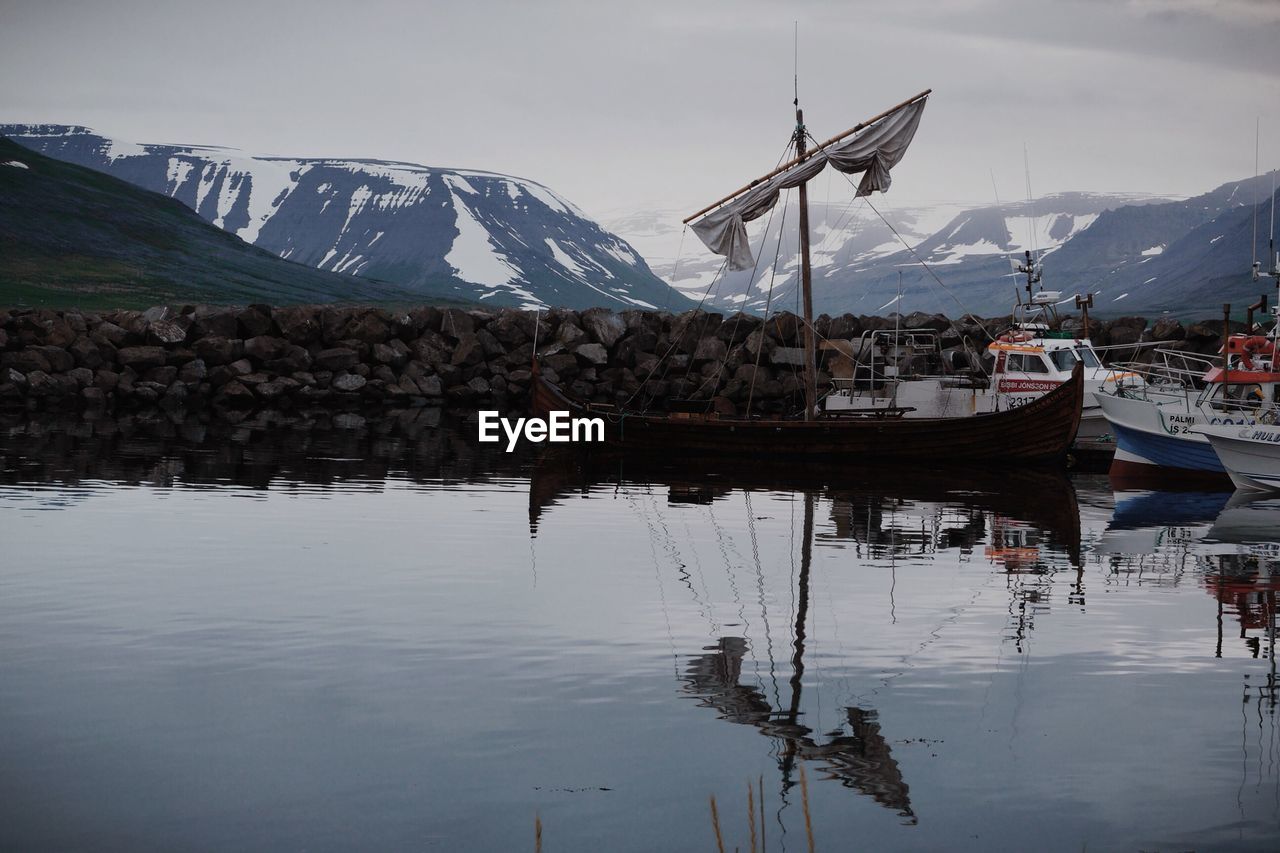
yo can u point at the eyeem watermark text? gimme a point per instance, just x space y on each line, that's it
559 427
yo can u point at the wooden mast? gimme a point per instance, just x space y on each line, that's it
806 281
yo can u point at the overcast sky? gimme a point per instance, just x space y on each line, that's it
663 104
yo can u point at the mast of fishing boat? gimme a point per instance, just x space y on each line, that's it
806 279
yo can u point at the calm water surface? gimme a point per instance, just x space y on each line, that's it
335 639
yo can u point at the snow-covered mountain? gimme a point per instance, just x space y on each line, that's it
436 232
1134 253
858 251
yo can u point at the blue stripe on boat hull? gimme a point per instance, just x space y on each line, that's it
1168 451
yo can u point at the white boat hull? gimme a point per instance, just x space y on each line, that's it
1250 454
1159 432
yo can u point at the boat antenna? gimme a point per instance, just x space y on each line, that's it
1257 131
1031 218
795 62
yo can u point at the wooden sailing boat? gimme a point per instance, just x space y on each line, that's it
1041 430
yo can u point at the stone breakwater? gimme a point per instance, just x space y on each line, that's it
233 360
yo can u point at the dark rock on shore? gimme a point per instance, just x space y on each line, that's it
345 358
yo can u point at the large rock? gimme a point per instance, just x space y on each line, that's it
783 328
1168 329
710 349
299 324
921 320
60 333
454 323
509 328
603 326
264 348
235 395
253 321
293 359
592 353
349 382
25 361
468 351
431 349
166 332
737 328
787 356
336 358
108 332
215 350
1124 335
141 358
569 335
220 322
369 328
86 353
431 386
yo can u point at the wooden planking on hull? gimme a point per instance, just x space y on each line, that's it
1042 430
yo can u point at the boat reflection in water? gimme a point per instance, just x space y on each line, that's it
1229 544
1028 519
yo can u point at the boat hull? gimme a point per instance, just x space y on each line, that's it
1158 435
1250 454
1040 431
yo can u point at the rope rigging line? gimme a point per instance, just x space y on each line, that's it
919 260
711 290
706 318
751 391
675 270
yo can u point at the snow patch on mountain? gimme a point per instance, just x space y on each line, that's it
441 231
473 255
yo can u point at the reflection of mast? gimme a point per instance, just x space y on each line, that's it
802 612
861 760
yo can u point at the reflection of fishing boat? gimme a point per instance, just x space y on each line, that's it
1153 522
1251 454
885 513
1043 429
1043 499
1249 517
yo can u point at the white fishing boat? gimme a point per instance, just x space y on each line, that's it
1156 415
1251 454
1028 360
1163 423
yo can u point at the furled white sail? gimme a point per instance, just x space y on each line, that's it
873 151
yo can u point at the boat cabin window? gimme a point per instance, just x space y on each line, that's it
1064 359
1024 362
1088 356
1244 396
1249 393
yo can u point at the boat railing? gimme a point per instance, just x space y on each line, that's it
1127 352
1174 374
1169 373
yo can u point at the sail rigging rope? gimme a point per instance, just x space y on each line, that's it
773 274
711 290
922 263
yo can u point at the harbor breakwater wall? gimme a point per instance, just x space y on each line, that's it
233 360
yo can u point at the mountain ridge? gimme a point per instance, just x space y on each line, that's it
457 233
72 235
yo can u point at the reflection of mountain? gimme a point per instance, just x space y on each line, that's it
861 760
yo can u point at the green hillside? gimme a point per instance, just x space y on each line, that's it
70 236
